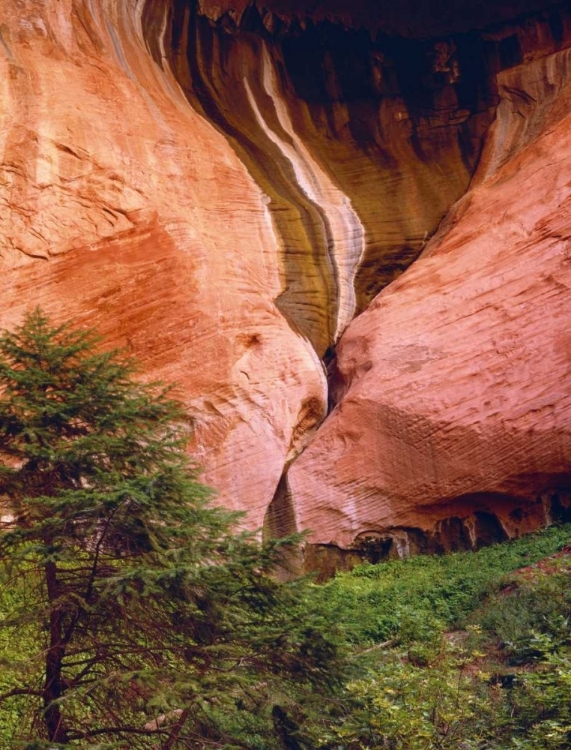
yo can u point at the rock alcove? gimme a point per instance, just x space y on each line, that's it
342 230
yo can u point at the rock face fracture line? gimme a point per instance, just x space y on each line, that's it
347 235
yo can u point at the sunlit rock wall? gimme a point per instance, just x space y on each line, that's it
453 425
359 144
223 189
121 207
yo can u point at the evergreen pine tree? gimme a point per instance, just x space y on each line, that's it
147 619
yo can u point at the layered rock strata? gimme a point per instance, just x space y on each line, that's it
223 189
361 145
122 208
453 423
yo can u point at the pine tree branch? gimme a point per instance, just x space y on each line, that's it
176 730
96 556
75 734
91 581
20 691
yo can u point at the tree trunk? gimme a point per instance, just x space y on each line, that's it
54 686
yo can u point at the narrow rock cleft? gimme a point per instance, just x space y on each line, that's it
343 231
361 143
454 384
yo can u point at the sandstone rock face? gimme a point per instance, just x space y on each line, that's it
357 167
122 208
454 387
410 18
222 188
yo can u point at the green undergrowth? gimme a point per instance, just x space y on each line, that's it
468 651
374 602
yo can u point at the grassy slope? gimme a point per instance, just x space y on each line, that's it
371 601
459 652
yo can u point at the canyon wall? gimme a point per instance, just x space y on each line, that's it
232 192
454 387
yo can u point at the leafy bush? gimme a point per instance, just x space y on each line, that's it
501 683
370 601
540 706
402 706
525 610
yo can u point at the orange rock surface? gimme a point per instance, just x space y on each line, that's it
122 208
454 387
221 191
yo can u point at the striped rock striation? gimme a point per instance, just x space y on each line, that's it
453 422
222 188
358 161
123 208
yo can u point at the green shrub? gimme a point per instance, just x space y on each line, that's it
502 683
515 617
540 706
369 600
403 706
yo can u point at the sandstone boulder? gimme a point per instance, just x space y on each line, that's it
454 388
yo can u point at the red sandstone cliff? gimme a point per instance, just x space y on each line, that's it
223 192
455 385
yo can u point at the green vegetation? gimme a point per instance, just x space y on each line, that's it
375 601
133 614
460 651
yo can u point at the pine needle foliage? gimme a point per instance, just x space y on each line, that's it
149 621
